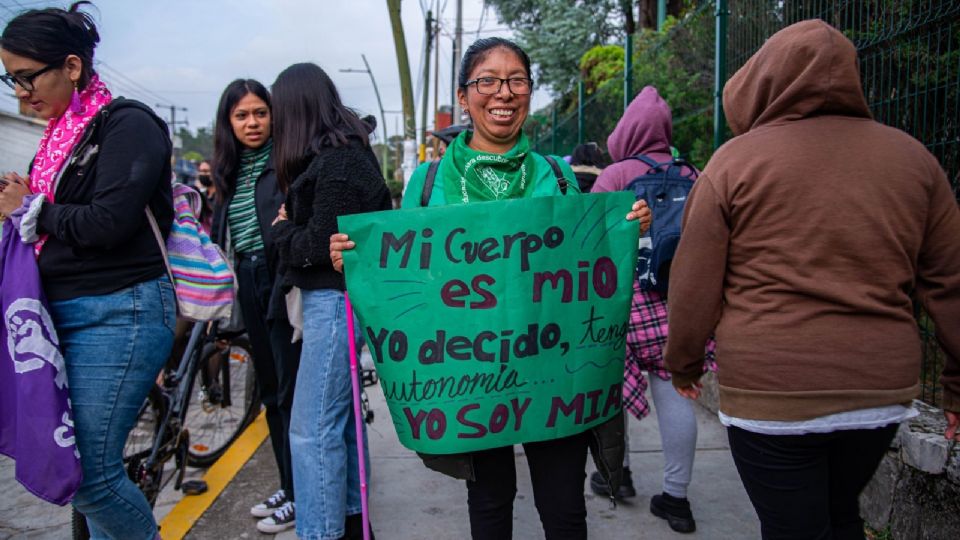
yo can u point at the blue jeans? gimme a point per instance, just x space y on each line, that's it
114 345
323 439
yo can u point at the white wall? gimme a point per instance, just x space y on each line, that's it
19 137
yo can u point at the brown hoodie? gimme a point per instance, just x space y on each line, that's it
804 239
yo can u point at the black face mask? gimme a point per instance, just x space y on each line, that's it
205 180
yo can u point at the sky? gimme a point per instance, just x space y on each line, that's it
184 53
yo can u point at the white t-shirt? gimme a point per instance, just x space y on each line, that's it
871 418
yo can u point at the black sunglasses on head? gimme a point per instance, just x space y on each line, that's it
25 81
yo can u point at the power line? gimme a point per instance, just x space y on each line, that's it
117 74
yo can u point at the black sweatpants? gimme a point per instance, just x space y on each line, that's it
557 473
275 359
807 487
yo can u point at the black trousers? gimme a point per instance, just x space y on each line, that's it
275 359
557 472
807 486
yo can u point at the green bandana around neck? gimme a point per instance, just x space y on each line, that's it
469 175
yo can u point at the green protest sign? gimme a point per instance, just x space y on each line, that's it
495 323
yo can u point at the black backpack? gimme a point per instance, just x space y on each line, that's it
435 165
665 187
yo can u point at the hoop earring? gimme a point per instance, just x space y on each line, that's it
75 106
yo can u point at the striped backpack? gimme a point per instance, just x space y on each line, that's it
201 275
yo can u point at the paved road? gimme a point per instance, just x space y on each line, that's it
410 502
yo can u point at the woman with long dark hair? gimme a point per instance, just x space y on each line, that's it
248 201
326 166
101 165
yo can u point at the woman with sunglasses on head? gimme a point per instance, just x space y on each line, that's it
327 168
101 164
248 200
495 89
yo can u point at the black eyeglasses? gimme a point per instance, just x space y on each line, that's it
492 85
25 81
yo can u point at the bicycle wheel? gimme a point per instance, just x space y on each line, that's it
140 443
222 403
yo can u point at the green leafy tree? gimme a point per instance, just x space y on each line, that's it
556 32
200 142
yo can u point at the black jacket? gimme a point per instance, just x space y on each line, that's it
100 240
267 200
339 181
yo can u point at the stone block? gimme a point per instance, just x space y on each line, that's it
925 507
876 500
927 452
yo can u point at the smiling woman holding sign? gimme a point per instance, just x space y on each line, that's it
490 162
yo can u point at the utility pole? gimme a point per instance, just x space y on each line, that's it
406 92
457 53
173 123
383 118
426 87
436 67
173 117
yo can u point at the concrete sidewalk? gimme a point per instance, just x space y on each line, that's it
410 502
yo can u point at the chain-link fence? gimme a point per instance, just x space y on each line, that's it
910 67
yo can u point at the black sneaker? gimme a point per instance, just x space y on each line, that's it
354 528
675 511
599 486
281 520
269 506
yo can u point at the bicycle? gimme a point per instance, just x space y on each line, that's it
191 427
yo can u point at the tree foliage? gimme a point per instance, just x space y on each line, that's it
556 32
200 142
678 61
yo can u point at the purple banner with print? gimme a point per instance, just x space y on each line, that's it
36 424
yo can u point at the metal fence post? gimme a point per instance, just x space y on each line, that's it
553 133
719 73
661 13
580 112
627 71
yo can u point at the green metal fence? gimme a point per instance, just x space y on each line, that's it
678 61
910 67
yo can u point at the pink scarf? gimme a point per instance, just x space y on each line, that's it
59 139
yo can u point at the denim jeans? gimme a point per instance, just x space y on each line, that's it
114 345
323 440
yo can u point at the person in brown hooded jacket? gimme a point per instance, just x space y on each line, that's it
804 241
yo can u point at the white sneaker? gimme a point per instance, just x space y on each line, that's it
269 506
281 520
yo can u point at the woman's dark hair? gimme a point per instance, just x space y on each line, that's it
480 49
308 115
51 35
588 154
226 147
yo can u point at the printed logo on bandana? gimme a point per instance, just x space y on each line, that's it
497 184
